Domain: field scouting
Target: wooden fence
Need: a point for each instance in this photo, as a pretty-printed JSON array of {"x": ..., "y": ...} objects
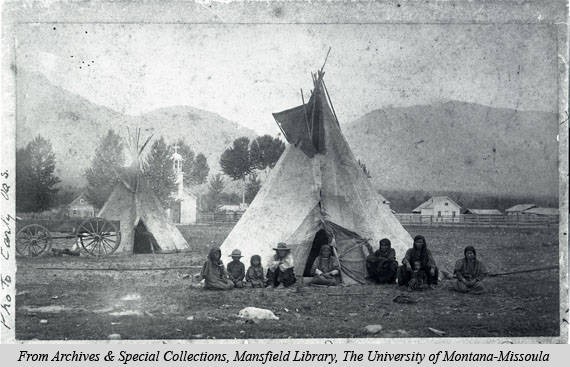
[
  {"x": 218, "y": 217},
  {"x": 479, "y": 220},
  {"x": 468, "y": 220}
]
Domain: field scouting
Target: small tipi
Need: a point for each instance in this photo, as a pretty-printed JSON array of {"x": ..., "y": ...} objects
[
  {"x": 143, "y": 222},
  {"x": 316, "y": 189}
]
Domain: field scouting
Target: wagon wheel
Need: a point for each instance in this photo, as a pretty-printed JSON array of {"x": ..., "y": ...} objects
[
  {"x": 32, "y": 240},
  {"x": 98, "y": 237}
]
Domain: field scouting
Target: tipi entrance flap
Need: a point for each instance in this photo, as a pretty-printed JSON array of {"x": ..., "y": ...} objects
[{"x": 144, "y": 242}]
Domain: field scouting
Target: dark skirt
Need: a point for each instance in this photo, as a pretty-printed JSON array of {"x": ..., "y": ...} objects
[
  {"x": 381, "y": 271},
  {"x": 287, "y": 277},
  {"x": 405, "y": 276}
]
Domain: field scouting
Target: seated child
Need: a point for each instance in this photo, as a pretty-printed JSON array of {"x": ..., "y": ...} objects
[
  {"x": 236, "y": 269},
  {"x": 419, "y": 278},
  {"x": 281, "y": 271},
  {"x": 254, "y": 276},
  {"x": 214, "y": 273}
]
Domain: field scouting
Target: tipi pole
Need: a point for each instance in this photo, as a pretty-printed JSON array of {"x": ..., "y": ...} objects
[
  {"x": 326, "y": 58},
  {"x": 305, "y": 111},
  {"x": 330, "y": 102}
]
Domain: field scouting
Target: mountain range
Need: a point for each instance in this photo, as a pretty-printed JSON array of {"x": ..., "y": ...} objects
[
  {"x": 458, "y": 146},
  {"x": 75, "y": 125},
  {"x": 450, "y": 146}
]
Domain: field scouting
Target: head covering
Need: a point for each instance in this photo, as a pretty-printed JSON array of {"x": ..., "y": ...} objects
[
  {"x": 469, "y": 248},
  {"x": 385, "y": 241},
  {"x": 214, "y": 250},
  {"x": 255, "y": 257},
  {"x": 420, "y": 238},
  {"x": 236, "y": 253},
  {"x": 282, "y": 246},
  {"x": 420, "y": 255}
]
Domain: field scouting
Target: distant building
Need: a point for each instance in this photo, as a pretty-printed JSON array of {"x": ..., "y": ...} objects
[
  {"x": 232, "y": 212},
  {"x": 483, "y": 212},
  {"x": 80, "y": 207},
  {"x": 233, "y": 208},
  {"x": 184, "y": 207},
  {"x": 518, "y": 209},
  {"x": 541, "y": 212},
  {"x": 439, "y": 207}
]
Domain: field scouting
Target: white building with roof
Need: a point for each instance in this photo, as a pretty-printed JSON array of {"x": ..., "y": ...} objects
[
  {"x": 439, "y": 207},
  {"x": 483, "y": 211},
  {"x": 519, "y": 208}
]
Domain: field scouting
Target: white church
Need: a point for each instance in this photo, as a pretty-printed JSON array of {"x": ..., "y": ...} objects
[{"x": 185, "y": 204}]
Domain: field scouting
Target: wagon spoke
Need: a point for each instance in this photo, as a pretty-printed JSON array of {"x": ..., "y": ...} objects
[
  {"x": 109, "y": 238},
  {"x": 111, "y": 246},
  {"x": 86, "y": 246}
]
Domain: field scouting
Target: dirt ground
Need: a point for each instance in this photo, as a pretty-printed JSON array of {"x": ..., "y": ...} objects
[{"x": 161, "y": 304}]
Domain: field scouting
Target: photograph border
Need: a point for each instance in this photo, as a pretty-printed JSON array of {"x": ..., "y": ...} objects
[{"x": 553, "y": 13}]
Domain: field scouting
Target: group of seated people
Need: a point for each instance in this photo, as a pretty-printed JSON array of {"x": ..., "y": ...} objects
[{"x": 418, "y": 269}]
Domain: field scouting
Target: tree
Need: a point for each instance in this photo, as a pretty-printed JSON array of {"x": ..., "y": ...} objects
[
  {"x": 35, "y": 179},
  {"x": 24, "y": 184},
  {"x": 214, "y": 196},
  {"x": 236, "y": 161},
  {"x": 106, "y": 166},
  {"x": 200, "y": 170},
  {"x": 252, "y": 187},
  {"x": 265, "y": 152},
  {"x": 159, "y": 171}
]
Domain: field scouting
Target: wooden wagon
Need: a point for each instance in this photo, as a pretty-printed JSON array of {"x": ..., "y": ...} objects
[{"x": 94, "y": 236}]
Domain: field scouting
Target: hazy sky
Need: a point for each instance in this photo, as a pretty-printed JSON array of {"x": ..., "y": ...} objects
[{"x": 246, "y": 72}]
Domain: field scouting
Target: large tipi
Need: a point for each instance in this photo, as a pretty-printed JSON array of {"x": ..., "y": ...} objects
[
  {"x": 317, "y": 187},
  {"x": 144, "y": 224}
]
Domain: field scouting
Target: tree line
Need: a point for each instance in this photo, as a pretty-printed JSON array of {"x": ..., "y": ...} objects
[{"x": 37, "y": 184}]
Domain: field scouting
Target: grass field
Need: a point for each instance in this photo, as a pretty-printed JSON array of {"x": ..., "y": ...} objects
[{"x": 161, "y": 304}]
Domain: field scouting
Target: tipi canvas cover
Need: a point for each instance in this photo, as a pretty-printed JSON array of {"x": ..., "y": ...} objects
[
  {"x": 133, "y": 203},
  {"x": 317, "y": 184}
]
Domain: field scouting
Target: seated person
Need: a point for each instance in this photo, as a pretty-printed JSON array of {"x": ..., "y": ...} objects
[
  {"x": 382, "y": 266},
  {"x": 214, "y": 273},
  {"x": 236, "y": 269},
  {"x": 281, "y": 271},
  {"x": 254, "y": 276},
  {"x": 326, "y": 268},
  {"x": 418, "y": 252},
  {"x": 470, "y": 273}
]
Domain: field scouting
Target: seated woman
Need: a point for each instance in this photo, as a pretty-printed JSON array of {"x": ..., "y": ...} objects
[
  {"x": 382, "y": 266},
  {"x": 281, "y": 271},
  {"x": 326, "y": 268},
  {"x": 418, "y": 253},
  {"x": 470, "y": 273},
  {"x": 214, "y": 273}
]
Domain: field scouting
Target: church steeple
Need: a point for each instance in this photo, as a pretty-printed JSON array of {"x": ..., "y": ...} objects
[{"x": 177, "y": 161}]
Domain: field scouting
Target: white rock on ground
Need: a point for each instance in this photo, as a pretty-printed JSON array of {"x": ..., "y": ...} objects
[{"x": 373, "y": 329}]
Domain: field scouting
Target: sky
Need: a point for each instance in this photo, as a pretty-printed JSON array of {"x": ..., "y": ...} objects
[{"x": 246, "y": 72}]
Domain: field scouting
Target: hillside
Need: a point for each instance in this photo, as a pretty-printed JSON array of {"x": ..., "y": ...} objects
[
  {"x": 74, "y": 125},
  {"x": 458, "y": 146}
]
